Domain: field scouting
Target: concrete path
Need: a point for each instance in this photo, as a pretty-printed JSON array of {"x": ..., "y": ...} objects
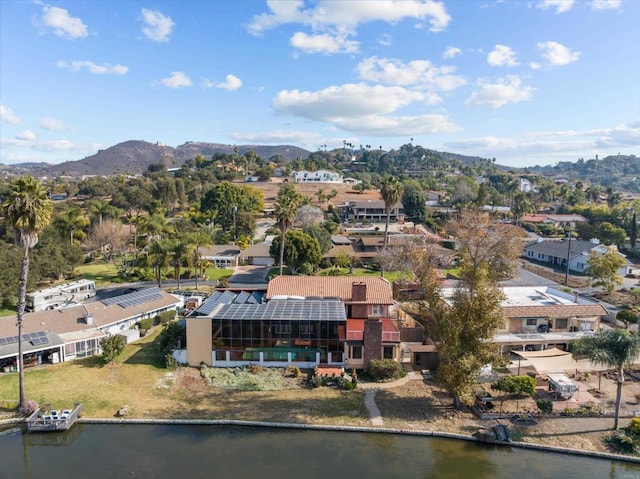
[{"x": 374, "y": 412}]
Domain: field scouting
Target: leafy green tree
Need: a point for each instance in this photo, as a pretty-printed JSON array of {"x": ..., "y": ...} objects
[
  {"x": 28, "y": 211},
  {"x": 300, "y": 249},
  {"x": 112, "y": 346},
  {"x": 234, "y": 207},
  {"x": 321, "y": 235},
  {"x": 9, "y": 274},
  {"x": 613, "y": 348},
  {"x": 521, "y": 206},
  {"x": 516, "y": 385},
  {"x": 604, "y": 268},
  {"x": 391, "y": 191},
  {"x": 287, "y": 203},
  {"x": 71, "y": 223},
  {"x": 413, "y": 201},
  {"x": 53, "y": 258},
  {"x": 100, "y": 209},
  {"x": 633, "y": 230},
  {"x": 627, "y": 317}
]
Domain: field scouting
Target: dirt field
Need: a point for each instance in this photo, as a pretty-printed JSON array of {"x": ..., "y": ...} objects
[{"x": 345, "y": 192}]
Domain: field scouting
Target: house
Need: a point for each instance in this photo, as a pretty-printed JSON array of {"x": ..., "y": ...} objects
[
  {"x": 65, "y": 334},
  {"x": 542, "y": 317},
  {"x": 527, "y": 186},
  {"x": 371, "y": 211},
  {"x": 320, "y": 176},
  {"x": 559, "y": 221},
  {"x": 258, "y": 254},
  {"x": 222, "y": 255},
  {"x": 307, "y": 321},
  {"x": 577, "y": 253}
]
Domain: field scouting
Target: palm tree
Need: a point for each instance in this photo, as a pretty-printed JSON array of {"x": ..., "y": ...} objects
[
  {"x": 180, "y": 251},
  {"x": 71, "y": 220},
  {"x": 287, "y": 204},
  {"x": 197, "y": 240},
  {"x": 614, "y": 348},
  {"x": 28, "y": 210},
  {"x": 101, "y": 208},
  {"x": 159, "y": 256},
  {"x": 391, "y": 192}
]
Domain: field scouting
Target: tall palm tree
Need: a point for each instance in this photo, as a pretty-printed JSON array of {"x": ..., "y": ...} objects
[
  {"x": 287, "y": 204},
  {"x": 391, "y": 192},
  {"x": 179, "y": 251},
  {"x": 28, "y": 210},
  {"x": 70, "y": 221},
  {"x": 614, "y": 348},
  {"x": 159, "y": 256},
  {"x": 196, "y": 241},
  {"x": 101, "y": 209}
]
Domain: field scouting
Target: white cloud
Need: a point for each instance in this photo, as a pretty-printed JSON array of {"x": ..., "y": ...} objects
[
  {"x": 63, "y": 24},
  {"x": 343, "y": 17},
  {"x": 177, "y": 80},
  {"x": 385, "y": 40},
  {"x": 363, "y": 109},
  {"x": 52, "y": 124},
  {"x": 535, "y": 66},
  {"x": 324, "y": 43},
  {"x": 26, "y": 135},
  {"x": 561, "y": 6},
  {"x": 94, "y": 68},
  {"x": 605, "y": 4},
  {"x": 451, "y": 52},
  {"x": 231, "y": 82},
  {"x": 157, "y": 27},
  {"x": 502, "y": 55},
  {"x": 557, "y": 54},
  {"x": 350, "y": 100},
  {"x": 421, "y": 73},
  {"x": 25, "y": 142},
  {"x": 507, "y": 90},
  {"x": 7, "y": 116},
  {"x": 548, "y": 147}
]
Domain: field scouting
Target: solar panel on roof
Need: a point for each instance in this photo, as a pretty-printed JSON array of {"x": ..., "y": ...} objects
[
  {"x": 135, "y": 298},
  {"x": 39, "y": 341},
  {"x": 242, "y": 297}
]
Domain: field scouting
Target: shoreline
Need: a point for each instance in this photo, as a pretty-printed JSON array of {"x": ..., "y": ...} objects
[{"x": 361, "y": 429}]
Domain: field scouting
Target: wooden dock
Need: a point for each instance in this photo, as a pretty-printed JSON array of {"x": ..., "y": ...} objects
[{"x": 53, "y": 420}]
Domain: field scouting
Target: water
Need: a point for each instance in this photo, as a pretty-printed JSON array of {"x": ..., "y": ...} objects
[{"x": 172, "y": 452}]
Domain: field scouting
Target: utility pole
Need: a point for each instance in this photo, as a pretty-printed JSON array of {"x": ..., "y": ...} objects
[{"x": 566, "y": 274}]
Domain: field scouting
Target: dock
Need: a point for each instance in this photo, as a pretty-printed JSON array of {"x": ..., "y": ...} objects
[{"x": 43, "y": 420}]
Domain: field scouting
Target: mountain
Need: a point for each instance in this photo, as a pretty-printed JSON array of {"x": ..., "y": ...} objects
[{"x": 134, "y": 157}]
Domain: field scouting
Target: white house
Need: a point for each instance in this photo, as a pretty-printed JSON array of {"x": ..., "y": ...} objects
[{"x": 320, "y": 176}]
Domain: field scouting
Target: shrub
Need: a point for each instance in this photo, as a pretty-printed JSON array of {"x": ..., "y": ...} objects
[
  {"x": 145, "y": 323},
  {"x": 620, "y": 442},
  {"x": 634, "y": 426},
  {"x": 170, "y": 362},
  {"x": 516, "y": 385},
  {"x": 111, "y": 347},
  {"x": 29, "y": 407},
  {"x": 545, "y": 405},
  {"x": 385, "y": 369},
  {"x": 293, "y": 371},
  {"x": 166, "y": 317}
]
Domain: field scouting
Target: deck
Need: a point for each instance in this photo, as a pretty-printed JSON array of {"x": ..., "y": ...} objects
[{"x": 54, "y": 420}]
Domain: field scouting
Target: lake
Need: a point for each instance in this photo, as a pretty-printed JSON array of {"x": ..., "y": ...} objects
[{"x": 171, "y": 452}]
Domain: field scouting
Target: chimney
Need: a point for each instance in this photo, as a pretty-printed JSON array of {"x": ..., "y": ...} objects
[{"x": 359, "y": 291}]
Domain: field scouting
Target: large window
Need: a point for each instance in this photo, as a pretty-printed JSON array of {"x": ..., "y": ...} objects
[
  {"x": 356, "y": 352},
  {"x": 561, "y": 323},
  {"x": 531, "y": 322}
]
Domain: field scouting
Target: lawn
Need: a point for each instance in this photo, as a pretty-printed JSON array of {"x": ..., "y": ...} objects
[{"x": 102, "y": 273}]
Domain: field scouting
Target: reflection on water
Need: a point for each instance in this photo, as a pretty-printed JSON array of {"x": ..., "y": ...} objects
[{"x": 115, "y": 451}]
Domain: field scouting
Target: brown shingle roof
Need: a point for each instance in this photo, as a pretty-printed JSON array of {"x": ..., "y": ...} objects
[
  {"x": 378, "y": 289},
  {"x": 69, "y": 320},
  {"x": 557, "y": 311}
]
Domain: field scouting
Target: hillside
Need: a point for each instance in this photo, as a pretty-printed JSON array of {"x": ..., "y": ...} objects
[{"x": 134, "y": 157}]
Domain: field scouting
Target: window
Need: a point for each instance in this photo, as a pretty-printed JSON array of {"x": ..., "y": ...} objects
[
  {"x": 532, "y": 321},
  {"x": 387, "y": 352},
  {"x": 356, "y": 352},
  {"x": 282, "y": 328},
  {"x": 376, "y": 310},
  {"x": 561, "y": 323}
]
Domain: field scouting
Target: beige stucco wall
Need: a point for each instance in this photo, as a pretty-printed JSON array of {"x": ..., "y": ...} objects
[{"x": 199, "y": 341}]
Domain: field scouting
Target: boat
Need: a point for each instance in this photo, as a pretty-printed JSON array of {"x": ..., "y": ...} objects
[{"x": 47, "y": 420}]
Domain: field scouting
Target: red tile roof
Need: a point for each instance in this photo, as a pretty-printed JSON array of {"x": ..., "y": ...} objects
[{"x": 379, "y": 290}]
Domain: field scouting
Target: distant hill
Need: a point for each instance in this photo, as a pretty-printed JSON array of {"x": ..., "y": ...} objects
[{"x": 134, "y": 157}]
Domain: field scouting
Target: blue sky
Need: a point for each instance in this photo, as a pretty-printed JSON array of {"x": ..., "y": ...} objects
[{"x": 528, "y": 82}]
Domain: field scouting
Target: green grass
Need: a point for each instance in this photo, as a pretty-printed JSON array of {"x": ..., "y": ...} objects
[
  {"x": 102, "y": 273},
  {"x": 7, "y": 312},
  {"x": 217, "y": 273}
]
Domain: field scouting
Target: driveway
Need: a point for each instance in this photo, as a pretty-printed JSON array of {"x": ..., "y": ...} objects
[{"x": 249, "y": 275}]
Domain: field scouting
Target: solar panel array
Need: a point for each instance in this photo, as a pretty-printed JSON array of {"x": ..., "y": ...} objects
[
  {"x": 312, "y": 310},
  {"x": 36, "y": 339},
  {"x": 135, "y": 298},
  {"x": 228, "y": 297}
]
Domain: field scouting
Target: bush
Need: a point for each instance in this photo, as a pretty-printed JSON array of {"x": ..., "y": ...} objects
[
  {"x": 385, "y": 369},
  {"x": 29, "y": 407},
  {"x": 292, "y": 371},
  {"x": 516, "y": 385},
  {"x": 165, "y": 318},
  {"x": 170, "y": 362},
  {"x": 621, "y": 442},
  {"x": 634, "y": 426},
  {"x": 544, "y": 405},
  {"x": 145, "y": 323},
  {"x": 111, "y": 347}
]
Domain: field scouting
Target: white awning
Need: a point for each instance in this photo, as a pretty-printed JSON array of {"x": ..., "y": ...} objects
[{"x": 555, "y": 360}]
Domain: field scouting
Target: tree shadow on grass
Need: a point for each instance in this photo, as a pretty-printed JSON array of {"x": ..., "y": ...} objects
[{"x": 146, "y": 353}]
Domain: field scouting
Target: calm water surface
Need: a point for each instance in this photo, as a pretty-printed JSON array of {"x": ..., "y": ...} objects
[{"x": 173, "y": 452}]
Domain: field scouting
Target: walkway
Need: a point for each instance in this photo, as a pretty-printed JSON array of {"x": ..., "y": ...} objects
[{"x": 370, "y": 394}]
